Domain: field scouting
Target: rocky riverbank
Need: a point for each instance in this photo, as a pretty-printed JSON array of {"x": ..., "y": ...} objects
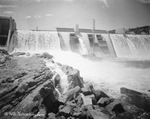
[{"x": 29, "y": 89}]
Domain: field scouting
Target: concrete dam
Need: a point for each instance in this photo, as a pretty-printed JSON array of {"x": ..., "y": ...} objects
[
  {"x": 103, "y": 45},
  {"x": 87, "y": 42}
]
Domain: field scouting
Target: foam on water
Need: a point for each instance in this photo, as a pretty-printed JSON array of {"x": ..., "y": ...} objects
[
  {"x": 107, "y": 74},
  {"x": 104, "y": 74},
  {"x": 87, "y": 42},
  {"x": 84, "y": 50},
  {"x": 131, "y": 46},
  {"x": 37, "y": 41},
  {"x": 66, "y": 38}
]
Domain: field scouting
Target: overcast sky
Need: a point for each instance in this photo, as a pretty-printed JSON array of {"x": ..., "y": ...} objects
[{"x": 49, "y": 14}]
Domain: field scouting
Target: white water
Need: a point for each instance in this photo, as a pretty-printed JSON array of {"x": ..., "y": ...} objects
[
  {"x": 121, "y": 46},
  {"x": 66, "y": 39},
  {"x": 84, "y": 50},
  {"x": 106, "y": 75},
  {"x": 131, "y": 46},
  {"x": 37, "y": 41},
  {"x": 87, "y": 42}
]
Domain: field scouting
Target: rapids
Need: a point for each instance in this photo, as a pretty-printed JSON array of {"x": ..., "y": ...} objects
[{"x": 106, "y": 74}]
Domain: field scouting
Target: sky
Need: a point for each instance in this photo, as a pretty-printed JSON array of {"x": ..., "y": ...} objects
[{"x": 49, "y": 14}]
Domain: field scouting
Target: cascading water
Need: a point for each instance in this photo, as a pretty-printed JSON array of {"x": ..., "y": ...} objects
[
  {"x": 106, "y": 75},
  {"x": 84, "y": 50},
  {"x": 97, "y": 48},
  {"x": 121, "y": 46},
  {"x": 106, "y": 48},
  {"x": 37, "y": 41},
  {"x": 141, "y": 45},
  {"x": 131, "y": 46},
  {"x": 87, "y": 42},
  {"x": 65, "y": 37}
]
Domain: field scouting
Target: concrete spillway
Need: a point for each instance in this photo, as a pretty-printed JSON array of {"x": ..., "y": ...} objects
[
  {"x": 35, "y": 41},
  {"x": 129, "y": 46}
]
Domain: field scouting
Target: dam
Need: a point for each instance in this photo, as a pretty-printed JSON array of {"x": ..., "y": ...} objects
[
  {"x": 86, "y": 42},
  {"x": 103, "y": 45},
  {"x": 128, "y": 62}
]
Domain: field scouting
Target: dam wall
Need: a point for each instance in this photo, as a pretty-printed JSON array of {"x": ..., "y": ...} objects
[{"x": 104, "y": 45}]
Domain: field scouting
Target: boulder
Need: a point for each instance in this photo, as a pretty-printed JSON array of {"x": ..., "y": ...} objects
[
  {"x": 73, "y": 93},
  {"x": 99, "y": 94},
  {"x": 79, "y": 100},
  {"x": 47, "y": 93},
  {"x": 86, "y": 91},
  {"x": 3, "y": 52},
  {"x": 136, "y": 98},
  {"x": 74, "y": 78},
  {"x": 93, "y": 114},
  {"x": 18, "y": 53},
  {"x": 71, "y": 103},
  {"x": 51, "y": 116},
  {"x": 62, "y": 117},
  {"x": 46, "y": 55},
  {"x": 115, "y": 106},
  {"x": 66, "y": 69},
  {"x": 56, "y": 80},
  {"x": 49, "y": 74},
  {"x": 131, "y": 112},
  {"x": 104, "y": 101},
  {"x": 65, "y": 111},
  {"x": 40, "y": 115},
  {"x": 4, "y": 58},
  {"x": 87, "y": 107},
  {"x": 86, "y": 100}
]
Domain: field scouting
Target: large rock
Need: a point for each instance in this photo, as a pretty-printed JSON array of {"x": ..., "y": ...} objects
[
  {"x": 18, "y": 53},
  {"x": 115, "y": 106},
  {"x": 86, "y": 100},
  {"x": 93, "y": 114},
  {"x": 104, "y": 101},
  {"x": 79, "y": 100},
  {"x": 47, "y": 93},
  {"x": 86, "y": 91},
  {"x": 30, "y": 103},
  {"x": 100, "y": 94},
  {"x": 3, "y": 52},
  {"x": 66, "y": 111},
  {"x": 20, "y": 82},
  {"x": 40, "y": 115},
  {"x": 44, "y": 55},
  {"x": 51, "y": 116},
  {"x": 73, "y": 93},
  {"x": 136, "y": 98},
  {"x": 74, "y": 78}
]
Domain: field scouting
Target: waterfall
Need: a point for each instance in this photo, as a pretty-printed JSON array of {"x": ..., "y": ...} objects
[
  {"x": 37, "y": 41},
  {"x": 86, "y": 42},
  {"x": 131, "y": 46},
  {"x": 84, "y": 50},
  {"x": 120, "y": 45},
  {"x": 66, "y": 38},
  {"x": 104, "y": 44}
]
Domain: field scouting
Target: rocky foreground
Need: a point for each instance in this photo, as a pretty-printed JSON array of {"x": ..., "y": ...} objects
[{"x": 31, "y": 90}]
